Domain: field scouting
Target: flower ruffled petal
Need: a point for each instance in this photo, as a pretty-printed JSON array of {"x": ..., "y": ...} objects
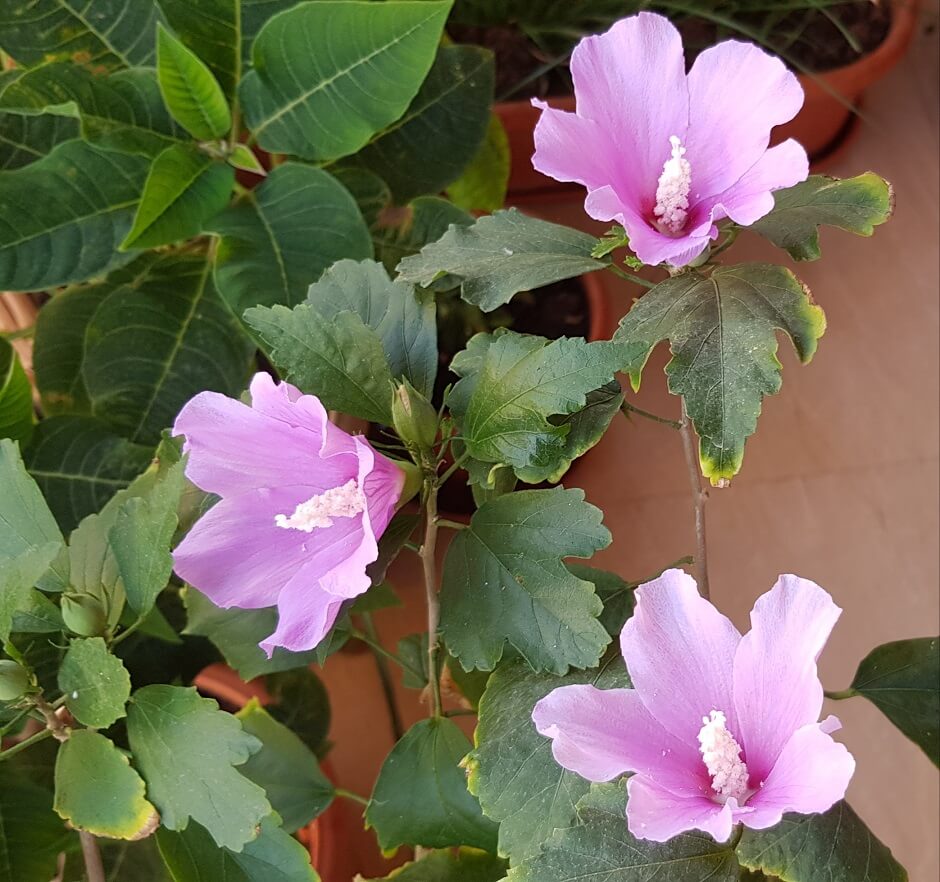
[
  {"x": 631, "y": 81},
  {"x": 737, "y": 94},
  {"x": 653, "y": 812},
  {"x": 680, "y": 653},
  {"x": 234, "y": 448},
  {"x": 776, "y": 685},
  {"x": 305, "y": 614},
  {"x": 602, "y": 733},
  {"x": 811, "y": 774},
  {"x": 236, "y": 556}
]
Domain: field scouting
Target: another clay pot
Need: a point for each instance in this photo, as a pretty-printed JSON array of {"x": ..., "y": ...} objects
[
  {"x": 821, "y": 126},
  {"x": 324, "y": 836}
]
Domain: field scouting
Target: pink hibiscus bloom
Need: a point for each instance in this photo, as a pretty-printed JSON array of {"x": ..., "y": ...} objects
[
  {"x": 303, "y": 506},
  {"x": 665, "y": 153},
  {"x": 719, "y": 729}
]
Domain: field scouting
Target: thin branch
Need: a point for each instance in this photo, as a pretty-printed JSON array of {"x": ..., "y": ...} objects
[
  {"x": 443, "y": 479},
  {"x": 644, "y": 283},
  {"x": 94, "y": 868},
  {"x": 348, "y": 794},
  {"x": 429, "y": 566},
  {"x": 699, "y": 498},
  {"x": 841, "y": 694},
  {"x": 42, "y": 735},
  {"x": 627, "y": 408},
  {"x": 385, "y": 677},
  {"x": 452, "y": 525}
]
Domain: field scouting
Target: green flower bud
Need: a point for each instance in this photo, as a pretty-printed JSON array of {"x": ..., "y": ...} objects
[
  {"x": 84, "y": 615},
  {"x": 14, "y": 680},
  {"x": 413, "y": 417}
]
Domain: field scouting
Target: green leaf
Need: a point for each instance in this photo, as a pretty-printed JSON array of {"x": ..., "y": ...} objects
[
  {"x": 835, "y": 846},
  {"x": 95, "y": 683},
  {"x": 464, "y": 865},
  {"x": 80, "y": 465},
  {"x": 412, "y": 652},
  {"x": 483, "y": 183},
  {"x": 512, "y": 770},
  {"x": 856, "y": 205},
  {"x": 255, "y": 14},
  {"x": 190, "y": 91},
  {"x": 513, "y": 383},
  {"x": 281, "y": 236},
  {"x": 212, "y": 30},
  {"x": 380, "y": 596},
  {"x": 442, "y": 128},
  {"x": 285, "y": 768},
  {"x": 122, "y": 111},
  {"x": 274, "y": 856},
  {"x": 96, "y": 789},
  {"x": 109, "y": 33},
  {"x": 329, "y": 75},
  {"x": 236, "y": 633},
  {"x": 721, "y": 329},
  {"x": 59, "y": 348},
  {"x": 400, "y": 232},
  {"x": 902, "y": 679},
  {"x": 505, "y": 574},
  {"x": 421, "y": 796},
  {"x": 16, "y": 396},
  {"x": 369, "y": 190},
  {"x": 18, "y": 574},
  {"x": 341, "y": 361},
  {"x": 185, "y": 188},
  {"x": 65, "y": 215},
  {"x": 615, "y": 593},
  {"x": 31, "y": 836},
  {"x": 300, "y": 702},
  {"x": 186, "y": 749},
  {"x": 243, "y": 157},
  {"x": 24, "y": 139},
  {"x": 37, "y": 615},
  {"x": 502, "y": 254},
  {"x": 601, "y": 847},
  {"x": 26, "y": 523},
  {"x": 152, "y": 345},
  {"x": 403, "y": 318}
]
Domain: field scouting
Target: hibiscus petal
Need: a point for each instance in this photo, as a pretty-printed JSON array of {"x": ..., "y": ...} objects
[
  {"x": 812, "y": 773},
  {"x": 751, "y": 198},
  {"x": 737, "y": 94},
  {"x": 305, "y": 615},
  {"x": 602, "y": 733},
  {"x": 658, "y": 814},
  {"x": 571, "y": 148},
  {"x": 382, "y": 482},
  {"x": 235, "y": 449},
  {"x": 235, "y": 554},
  {"x": 776, "y": 685},
  {"x": 631, "y": 81},
  {"x": 680, "y": 652}
]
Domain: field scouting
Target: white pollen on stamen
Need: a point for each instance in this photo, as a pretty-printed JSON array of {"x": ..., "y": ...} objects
[
  {"x": 672, "y": 191},
  {"x": 319, "y": 511},
  {"x": 722, "y": 757}
]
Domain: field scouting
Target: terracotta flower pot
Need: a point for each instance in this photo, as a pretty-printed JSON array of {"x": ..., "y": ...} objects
[
  {"x": 323, "y": 837},
  {"x": 821, "y": 126}
]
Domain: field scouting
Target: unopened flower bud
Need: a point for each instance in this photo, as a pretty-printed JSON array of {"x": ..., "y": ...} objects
[
  {"x": 14, "y": 680},
  {"x": 84, "y": 615},
  {"x": 414, "y": 417}
]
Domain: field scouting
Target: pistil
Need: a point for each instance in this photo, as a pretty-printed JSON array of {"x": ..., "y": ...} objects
[
  {"x": 672, "y": 191},
  {"x": 319, "y": 510}
]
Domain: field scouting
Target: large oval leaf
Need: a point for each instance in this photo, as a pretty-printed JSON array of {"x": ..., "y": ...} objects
[
  {"x": 329, "y": 75},
  {"x": 16, "y": 397}
]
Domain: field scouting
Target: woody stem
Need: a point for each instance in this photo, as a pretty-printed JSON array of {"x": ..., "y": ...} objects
[
  {"x": 699, "y": 498},
  {"x": 429, "y": 565}
]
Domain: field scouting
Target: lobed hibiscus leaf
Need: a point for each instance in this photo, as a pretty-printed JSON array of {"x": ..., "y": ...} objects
[
  {"x": 281, "y": 236},
  {"x": 902, "y": 679},
  {"x": 65, "y": 215},
  {"x": 534, "y": 404},
  {"x": 421, "y": 796},
  {"x": 721, "y": 330},
  {"x": 834, "y": 845},
  {"x": 328, "y": 76},
  {"x": 502, "y": 254},
  {"x": 505, "y": 575},
  {"x": 187, "y": 750},
  {"x": 274, "y": 856},
  {"x": 444, "y": 125},
  {"x": 856, "y": 205},
  {"x": 600, "y": 844},
  {"x": 446, "y": 865},
  {"x": 96, "y": 685},
  {"x": 512, "y": 770},
  {"x": 88, "y": 765},
  {"x": 112, "y": 34}
]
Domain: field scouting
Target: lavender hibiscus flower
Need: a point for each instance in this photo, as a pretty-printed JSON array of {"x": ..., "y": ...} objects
[
  {"x": 667, "y": 154},
  {"x": 720, "y": 729},
  {"x": 303, "y": 505}
]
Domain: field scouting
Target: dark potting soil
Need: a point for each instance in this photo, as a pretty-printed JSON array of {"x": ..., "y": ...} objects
[{"x": 808, "y": 40}]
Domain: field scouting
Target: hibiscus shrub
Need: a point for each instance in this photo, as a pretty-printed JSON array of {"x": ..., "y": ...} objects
[{"x": 156, "y": 521}]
